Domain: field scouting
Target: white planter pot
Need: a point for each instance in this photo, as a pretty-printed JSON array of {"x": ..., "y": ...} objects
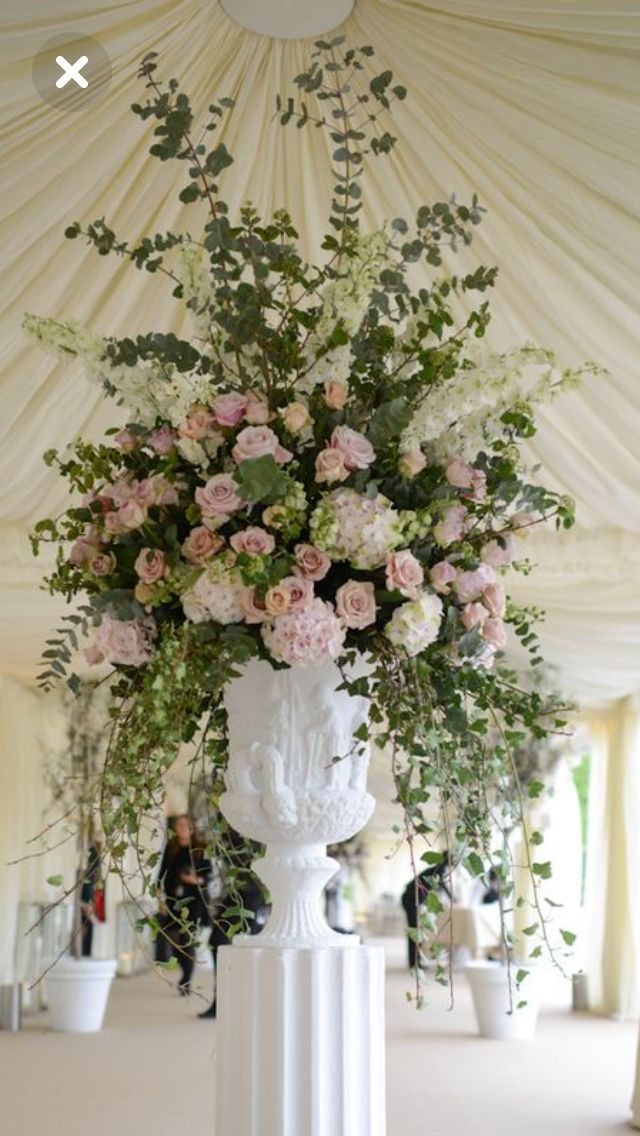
[
  {"x": 496, "y": 1006},
  {"x": 78, "y": 991}
]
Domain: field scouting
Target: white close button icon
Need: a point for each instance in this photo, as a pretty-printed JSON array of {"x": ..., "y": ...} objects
[{"x": 72, "y": 71}]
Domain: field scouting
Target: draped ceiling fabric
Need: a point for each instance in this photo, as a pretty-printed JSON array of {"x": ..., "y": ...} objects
[{"x": 534, "y": 106}]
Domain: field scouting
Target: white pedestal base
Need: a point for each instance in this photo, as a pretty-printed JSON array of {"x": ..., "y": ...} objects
[{"x": 301, "y": 1042}]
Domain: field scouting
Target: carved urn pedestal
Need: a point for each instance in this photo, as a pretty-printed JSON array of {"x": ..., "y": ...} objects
[{"x": 300, "y": 1007}]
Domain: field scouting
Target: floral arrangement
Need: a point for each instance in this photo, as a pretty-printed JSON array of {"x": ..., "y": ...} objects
[{"x": 329, "y": 463}]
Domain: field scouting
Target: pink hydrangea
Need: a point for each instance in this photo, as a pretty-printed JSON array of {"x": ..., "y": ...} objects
[
  {"x": 356, "y": 604},
  {"x": 128, "y": 642},
  {"x": 229, "y": 409},
  {"x": 256, "y": 442},
  {"x": 214, "y": 596},
  {"x": 351, "y": 526},
  {"x": 404, "y": 573},
  {"x": 356, "y": 450},
  {"x": 311, "y": 562},
  {"x": 309, "y": 636}
]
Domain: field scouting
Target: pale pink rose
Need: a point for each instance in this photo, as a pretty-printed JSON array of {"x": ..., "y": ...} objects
[
  {"x": 307, "y": 637},
  {"x": 131, "y": 515},
  {"x": 255, "y": 442},
  {"x": 411, "y": 463},
  {"x": 473, "y": 614},
  {"x": 336, "y": 393},
  {"x": 296, "y": 416},
  {"x": 254, "y": 540},
  {"x": 459, "y": 473},
  {"x": 452, "y": 526},
  {"x": 495, "y": 633},
  {"x": 356, "y": 604},
  {"x": 311, "y": 562},
  {"x": 404, "y": 573},
  {"x": 253, "y": 609},
  {"x": 229, "y": 409},
  {"x": 102, "y": 564},
  {"x": 200, "y": 544},
  {"x": 162, "y": 440},
  {"x": 144, "y": 593},
  {"x": 219, "y": 496},
  {"x": 83, "y": 549},
  {"x": 469, "y": 586},
  {"x": 522, "y": 523},
  {"x": 128, "y": 642},
  {"x": 257, "y": 412},
  {"x": 277, "y": 600},
  {"x": 357, "y": 451},
  {"x": 122, "y": 490},
  {"x": 127, "y": 441},
  {"x": 274, "y": 516},
  {"x": 494, "y": 599},
  {"x": 478, "y": 485},
  {"x": 441, "y": 576},
  {"x": 160, "y": 490},
  {"x": 300, "y": 591},
  {"x": 151, "y": 565},
  {"x": 499, "y": 553},
  {"x": 330, "y": 466},
  {"x": 198, "y": 424},
  {"x": 93, "y": 655}
]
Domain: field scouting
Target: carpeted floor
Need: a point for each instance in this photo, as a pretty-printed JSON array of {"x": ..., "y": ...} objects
[{"x": 150, "y": 1072}]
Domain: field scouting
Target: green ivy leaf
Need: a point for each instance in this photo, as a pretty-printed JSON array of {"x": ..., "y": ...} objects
[{"x": 542, "y": 870}]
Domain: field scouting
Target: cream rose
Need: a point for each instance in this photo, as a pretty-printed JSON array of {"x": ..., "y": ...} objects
[
  {"x": 311, "y": 562},
  {"x": 355, "y": 603},
  {"x": 330, "y": 466},
  {"x": 412, "y": 462},
  {"x": 336, "y": 393},
  {"x": 295, "y": 417}
]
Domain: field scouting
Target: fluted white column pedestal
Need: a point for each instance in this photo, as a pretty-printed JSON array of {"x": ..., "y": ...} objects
[{"x": 301, "y": 1041}]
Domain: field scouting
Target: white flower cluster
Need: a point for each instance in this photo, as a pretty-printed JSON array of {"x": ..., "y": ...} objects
[
  {"x": 461, "y": 415},
  {"x": 192, "y": 270},
  {"x": 64, "y": 339}
]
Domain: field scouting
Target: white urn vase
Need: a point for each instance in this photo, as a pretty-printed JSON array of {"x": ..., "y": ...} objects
[{"x": 298, "y": 994}]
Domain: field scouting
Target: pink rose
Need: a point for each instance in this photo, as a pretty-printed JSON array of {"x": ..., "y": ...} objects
[
  {"x": 306, "y": 637},
  {"x": 255, "y": 442},
  {"x": 162, "y": 440},
  {"x": 151, "y": 565},
  {"x": 404, "y": 573},
  {"x": 122, "y": 490},
  {"x": 478, "y": 485},
  {"x": 473, "y": 614},
  {"x": 93, "y": 655},
  {"x": 357, "y": 451},
  {"x": 219, "y": 496},
  {"x": 355, "y": 603},
  {"x": 412, "y": 462},
  {"x": 257, "y": 412},
  {"x": 127, "y": 441},
  {"x": 296, "y": 416},
  {"x": 311, "y": 562},
  {"x": 164, "y": 492},
  {"x": 521, "y": 523},
  {"x": 441, "y": 576},
  {"x": 459, "y": 473},
  {"x": 198, "y": 424},
  {"x": 292, "y": 593},
  {"x": 229, "y": 409},
  {"x": 102, "y": 564},
  {"x": 131, "y": 515},
  {"x": 494, "y": 599},
  {"x": 200, "y": 544},
  {"x": 495, "y": 633},
  {"x": 499, "y": 553},
  {"x": 254, "y": 540},
  {"x": 83, "y": 549},
  {"x": 336, "y": 393},
  {"x": 128, "y": 642},
  {"x": 469, "y": 586},
  {"x": 330, "y": 466},
  {"x": 452, "y": 526},
  {"x": 253, "y": 609}
]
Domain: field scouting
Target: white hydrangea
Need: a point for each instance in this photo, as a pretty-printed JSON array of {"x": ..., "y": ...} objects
[
  {"x": 214, "y": 596},
  {"x": 192, "y": 270},
  {"x": 415, "y": 625}
]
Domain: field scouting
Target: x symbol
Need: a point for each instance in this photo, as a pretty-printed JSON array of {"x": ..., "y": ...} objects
[{"x": 72, "y": 71}]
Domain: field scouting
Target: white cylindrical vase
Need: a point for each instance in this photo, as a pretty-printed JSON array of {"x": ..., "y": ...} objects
[
  {"x": 503, "y": 1010},
  {"x": 77, "y": 993},
  {"x": 300, "y": 1006}
]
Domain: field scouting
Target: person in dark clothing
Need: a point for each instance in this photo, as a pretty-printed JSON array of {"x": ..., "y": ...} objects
[
  {"x": 183, "y": 876},
  {"x": 492, "y": 894},
  {"x": 90, "y": 880},
  {"x": 413, "y": 897}
]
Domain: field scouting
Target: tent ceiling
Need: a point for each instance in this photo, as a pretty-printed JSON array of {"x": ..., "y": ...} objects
[{"x": 532, "y": 106}]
